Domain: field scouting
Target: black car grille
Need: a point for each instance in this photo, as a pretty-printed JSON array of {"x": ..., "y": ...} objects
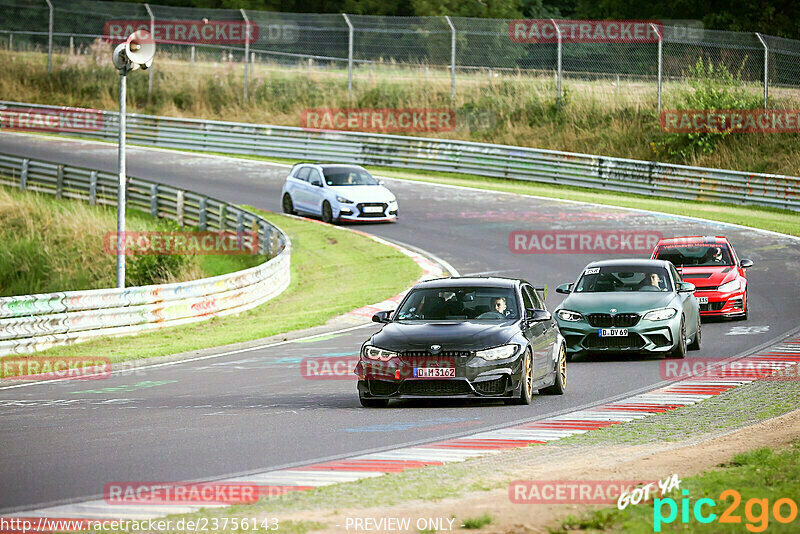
[
  {"x": 604, "y": 320},
  {"x": 382, "y": 387},
  {"x": 631, "y": 341},
  {"x": 712, "y": 306},
  {"x": 381, "y": 205},
  {"x": 434, "y": 387},
  {"x": 491, "y": 387},
  {"x": 442, "y": 354}
]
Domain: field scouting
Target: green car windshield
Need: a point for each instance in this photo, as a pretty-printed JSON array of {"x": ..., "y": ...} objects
[
  {"x": 459, "y": 303},
  {"x": 623, "y": 278}
]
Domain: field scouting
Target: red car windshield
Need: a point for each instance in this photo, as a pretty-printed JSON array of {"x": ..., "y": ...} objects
[{"x": 685, "y": 255}]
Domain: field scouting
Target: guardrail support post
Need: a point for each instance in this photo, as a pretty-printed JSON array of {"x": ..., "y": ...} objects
[
  {"x": 10, "y": 42},
  {"x": 50, "y": 38},
  {"x": 246, "y": 51},
  {"x": 558, "y": 62},
  {"x": 23, "y": 177},
  {"x": 59, "y": 181},
  {"x": 452, "y": 57},
  {"x": 93, "y": 188},
  {"x": 202, "y": 215},
  {"x": 349, "y": 54},
  {"x": 660, "y": 59},
  {"x": 154, "y": 200},
  {"x": 179, "y": 207},
  {"x": 223, "y": 217},
  {"x": 766, "y": 69},
  {"x": 152, "y": 33},
  {"x": 191, "y": 58}
]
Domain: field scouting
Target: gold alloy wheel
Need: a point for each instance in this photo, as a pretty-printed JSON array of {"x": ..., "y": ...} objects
[
  {"x": 529, "y": 372},
  {"x": 562, "y": 366}
]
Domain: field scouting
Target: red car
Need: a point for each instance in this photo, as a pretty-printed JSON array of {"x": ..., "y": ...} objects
[{"x": 711, "y": 264}]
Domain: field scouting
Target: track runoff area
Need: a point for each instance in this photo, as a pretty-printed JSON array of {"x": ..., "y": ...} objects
[{"x": 252, "y": 418}]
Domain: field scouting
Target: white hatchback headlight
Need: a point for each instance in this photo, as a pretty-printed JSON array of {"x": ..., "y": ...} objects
[
  {"x": 498, "y": 353},
  {"x": 343, "y": 200},
  {"x": 733, "y": 285},
  {"x": 376, "y": 353},
  {"x": 660, "y": 315},
  {"x": 571, "y": 316}
]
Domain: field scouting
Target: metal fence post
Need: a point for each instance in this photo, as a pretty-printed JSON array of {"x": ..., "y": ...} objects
[
  {"x": 766, "y": 70},
  {"x": 154, "y": 200},
  {"x": 558, "y": 62},
  {"x": 59, "y": 181},
  {"x": 246, "y": 49},
  {"x": 660, "y": 57},
  {"x": 23, "y": 177},
  {"x": 10, "y": 42},
  {"x": 452, "y": 57},
  {"x": 152, "y": 32},
  {"x": 50, "y": 38},
  {"x": 349, "y": 54},
  {"x": 93, "y": 188},
  {"x": 202, "y": 215},
  {"x": 191, "y": 58}
]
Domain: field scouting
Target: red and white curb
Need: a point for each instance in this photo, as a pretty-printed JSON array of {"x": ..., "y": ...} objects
[{"x": 272, "y": 483}]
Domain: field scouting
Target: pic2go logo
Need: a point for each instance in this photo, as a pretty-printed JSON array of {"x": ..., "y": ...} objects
[{"x": 756, "y": 511}]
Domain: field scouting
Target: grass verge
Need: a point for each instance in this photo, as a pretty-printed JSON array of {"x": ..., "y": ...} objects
[
  {"x": 49, "y": 245},
  {"x": 760, "y": 477},
  {"x": 320, "y": 254}
]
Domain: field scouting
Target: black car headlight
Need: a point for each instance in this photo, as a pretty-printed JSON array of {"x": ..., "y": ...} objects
[
  {"x": 376, "y": 353},
  {"x": 498, "y": 353},
  {"x": 569, "y": 316}
]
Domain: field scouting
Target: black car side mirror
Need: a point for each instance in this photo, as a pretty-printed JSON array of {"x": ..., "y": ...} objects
[
  {"x": 564, "y": 288},
  {"x": 746, "y": 264},
  {"x": 382, "y": 316},
  {"x": 537, "y": 316}
]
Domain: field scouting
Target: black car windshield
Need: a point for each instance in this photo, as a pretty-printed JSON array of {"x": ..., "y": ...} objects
[
  {"x": 695, "y": 256},
  {"x": 348, "y": 176},
  {"x": 454, "y": 303},
  {"x": 623, "y": 278}
]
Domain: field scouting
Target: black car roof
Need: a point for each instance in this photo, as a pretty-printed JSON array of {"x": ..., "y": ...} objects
[{"x": 470, "y": 281}]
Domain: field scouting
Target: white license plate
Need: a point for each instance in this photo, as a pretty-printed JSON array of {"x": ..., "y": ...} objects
[
  {"x": 434, "y": 372},
  {"x": 613, "y": 332},
  {"x": 373, "y": 209},
  {"x": 702, "y": 300}
]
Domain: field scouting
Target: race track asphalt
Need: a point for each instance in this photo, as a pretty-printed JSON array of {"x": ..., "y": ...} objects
[{"x": 253, "y": 411}]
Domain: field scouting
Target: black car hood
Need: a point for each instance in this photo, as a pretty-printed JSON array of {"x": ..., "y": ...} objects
[{"x": 451, "y": 335}]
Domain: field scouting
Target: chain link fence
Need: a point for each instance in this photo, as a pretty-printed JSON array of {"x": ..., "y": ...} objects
[{"x": 466, "y": 53}]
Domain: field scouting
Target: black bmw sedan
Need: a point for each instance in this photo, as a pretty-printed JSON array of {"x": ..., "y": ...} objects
[{"x": 464, "y": 337}]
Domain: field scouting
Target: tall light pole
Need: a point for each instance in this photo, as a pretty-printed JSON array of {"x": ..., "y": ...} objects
[{"x": 137, "y": 51}]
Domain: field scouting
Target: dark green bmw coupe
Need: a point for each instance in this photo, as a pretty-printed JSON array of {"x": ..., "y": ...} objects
[{"x": 629, "y": 306}]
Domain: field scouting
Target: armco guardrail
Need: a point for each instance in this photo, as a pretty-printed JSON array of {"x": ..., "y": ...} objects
[
  {"x": 502, "y": 161},
  {"x": 34, "y": 322}
]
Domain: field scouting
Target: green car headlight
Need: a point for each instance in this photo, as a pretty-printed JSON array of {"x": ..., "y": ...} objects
[
  {"x": 571, "y": 316},
  {"x": 498, "y": 353},
  {"x": 660, "y": 315},
  {"x": 375, "y": 353}
]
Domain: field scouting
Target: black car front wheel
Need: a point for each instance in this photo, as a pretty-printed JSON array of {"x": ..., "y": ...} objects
[
  {"x": 525, "y": 382},
  {"x": 560, "y": 383}
]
